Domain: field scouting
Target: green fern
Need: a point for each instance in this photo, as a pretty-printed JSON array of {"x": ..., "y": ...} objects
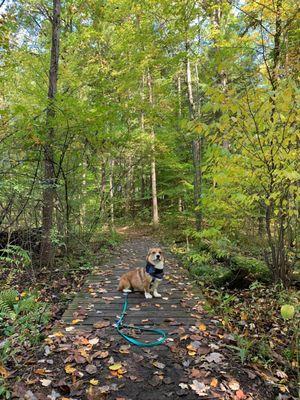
[
  {"x": 13, "y": 254},
  {"x": 28, "y": 304},
  {"x": 8, "y": 298}
]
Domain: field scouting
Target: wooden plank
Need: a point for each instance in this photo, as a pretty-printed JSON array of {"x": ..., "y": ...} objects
[
  {"x": 140, "y": 296},
  {"x": 129, "y": 319},
  {"x": 132, "y": 313},
  {"x": 100, "y": 303}
]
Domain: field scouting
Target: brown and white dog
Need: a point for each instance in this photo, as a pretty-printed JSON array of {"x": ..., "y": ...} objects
[{"x": 145, "y": 279}]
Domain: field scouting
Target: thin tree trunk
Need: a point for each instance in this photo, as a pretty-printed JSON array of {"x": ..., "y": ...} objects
[
  {"x": 155, "y": 217},
  {"x": 83, "y": 196},
  {"x": 46, "y": 256},
  {"x": 197, "y": 150},
  {"x": 179, "y": 96},
  {"x": 129, "y": 186},
  {"x": 102, "y": 189},
  {"x": 197, "y": 156},
  {"x": 111, "y": 192}
]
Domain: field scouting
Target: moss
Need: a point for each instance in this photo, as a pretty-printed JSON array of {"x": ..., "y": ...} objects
[
  {"x": 251, "y": 268},
  {"x": 216, "y": 275}
]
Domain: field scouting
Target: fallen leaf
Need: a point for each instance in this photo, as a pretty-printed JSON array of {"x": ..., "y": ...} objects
[
  {"x": 94, "y": 382},
  {"x": 115, "y": 367},
  {"x": 281, "y": 374},
  {"x": 101, "y": 354},
  {"x": 233, "y": 384},
  {"x": 3, "y": 371},
  {"x": 183, "y": 385},
  {"x": 46, "y": 382},
  {"x": 199, "y": 388},
  {"x": 240, "y": 395},
  {"x": 202, "y": 327},
  {"x": 214, "y": 382},
  {"x": 69, "y": 369},
  {"x": 93, "y": 341},
  {"x": 125, "y": 349},
  {"x": 91, "y": 369},
  {"x": 30, "y": 396},
  {"x": 76, "y": 321},
  {"x": 101, "y": 324},
  {"x": 198, "y": 373},
  {"x": 214, "y": 357},
  {"x": 54, "y": 395},
  {"x": 41, "y": 371},
  {"x": 159, "y": 365}
]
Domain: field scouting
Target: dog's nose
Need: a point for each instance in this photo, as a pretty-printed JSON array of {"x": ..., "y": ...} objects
[{"x": 157, "y": 256}]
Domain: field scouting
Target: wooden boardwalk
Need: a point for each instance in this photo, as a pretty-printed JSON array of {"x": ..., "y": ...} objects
[
  {"x": 100, "y": 301},
  {"x": 88, "y": 353}
]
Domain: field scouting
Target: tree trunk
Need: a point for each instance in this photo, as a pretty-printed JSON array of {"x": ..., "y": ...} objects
[
  {"x": 46, "y": 256},
  {"x": 197, "y": 156},
  {"x": 197, "y": 149},
  {"x": 102, "y": 189},
  {"x": 155, "y": 217},
  {"x": 83, "y": 196},
  {"x": 111, "y": 192}
]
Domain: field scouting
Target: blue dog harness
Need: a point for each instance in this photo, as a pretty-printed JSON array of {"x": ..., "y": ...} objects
[{"x": 156, "y": 273}]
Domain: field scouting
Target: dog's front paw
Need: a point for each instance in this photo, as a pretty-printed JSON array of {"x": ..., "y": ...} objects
[
  {"x": 156, "y": 294},
  {"x": 148, "y": 295}
]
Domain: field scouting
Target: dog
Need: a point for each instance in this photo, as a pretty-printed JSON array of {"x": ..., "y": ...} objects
[{"x": 145, "y": 279}]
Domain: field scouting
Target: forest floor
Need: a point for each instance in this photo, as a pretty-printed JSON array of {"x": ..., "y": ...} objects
[{"x": 82, "y": 357}]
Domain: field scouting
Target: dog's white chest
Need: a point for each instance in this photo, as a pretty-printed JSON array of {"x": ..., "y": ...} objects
[{"x": 159, "y": 265}]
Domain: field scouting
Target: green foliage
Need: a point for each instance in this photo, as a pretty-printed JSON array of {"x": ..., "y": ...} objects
[
  {"x": 214, "y": 262},
  {"x": 21, "y": 316},
  {"x": 287, "y": 311},
  {"x": 243, "y": 348},
  {"x": 14, "y": 260},
  {"x": 15, "y": 255},
  {"x": 252, "y": 268}
]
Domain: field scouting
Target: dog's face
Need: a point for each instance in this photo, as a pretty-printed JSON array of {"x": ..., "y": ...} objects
[{"x": 155, "y": 255}]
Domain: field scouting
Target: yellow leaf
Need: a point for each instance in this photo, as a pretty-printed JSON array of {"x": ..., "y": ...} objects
[
  {"x": 244, "y": 316},
  {"x": 94, "y": 382},
  {"x": 190, "y": 347},
  {"x": 69, "y": 369},
  {"x": 202, "y": 327},
  {"x": 214, "y": 382},
  {"x": 75, "y": 321},
  {"x": 121, "y": 371},
  {"x": 58, "y": 334},
  {"x": 192, "y": 353},
  {"x": 3, "y": 371},
  {"x": 115, "y": 367}
]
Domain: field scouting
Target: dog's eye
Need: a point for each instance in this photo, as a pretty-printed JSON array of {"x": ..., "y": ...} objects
[
  {"x": 153, "y": 252},
  {"x": 159, "y": 252}
]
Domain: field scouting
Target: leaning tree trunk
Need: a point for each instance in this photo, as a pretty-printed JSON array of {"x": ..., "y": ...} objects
[
  {"x": 46, "y": 256},
  {"x": 155, "y": 218}
]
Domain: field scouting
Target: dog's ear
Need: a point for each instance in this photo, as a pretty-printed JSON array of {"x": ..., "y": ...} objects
[{"x": 148, "y": 254}]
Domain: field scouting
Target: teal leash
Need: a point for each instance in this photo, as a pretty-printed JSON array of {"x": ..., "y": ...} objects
[{"x": 119, "y": 326}]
